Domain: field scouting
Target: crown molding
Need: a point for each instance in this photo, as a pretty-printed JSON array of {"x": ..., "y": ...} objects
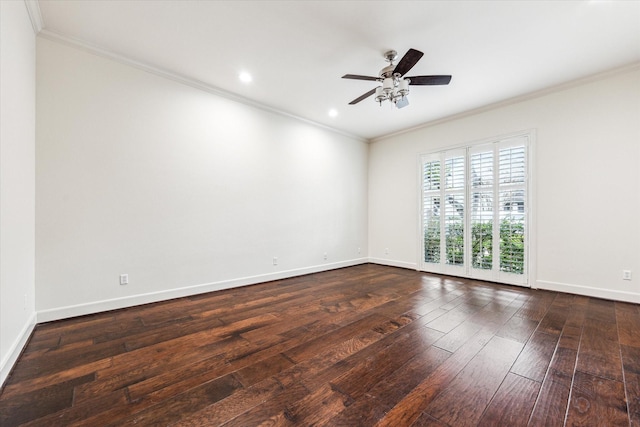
[
  {"x": 180, "y": 78},
  {"x": 517, "y": 99},
  {"x": 33, "y": 9}
]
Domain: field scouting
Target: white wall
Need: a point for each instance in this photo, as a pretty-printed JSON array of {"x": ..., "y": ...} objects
[
  {"x": 183, "y": 190},
  {"x": 17, "y": 181},
  {"x": 586, "y": 178}
]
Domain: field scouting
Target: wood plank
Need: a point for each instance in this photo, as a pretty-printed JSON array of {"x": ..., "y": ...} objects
[
  {"x": 597, "y": 401},
  {"x": 577, "y": 311},
  {"x": 599, "y": 352},
  {"x": 632, "y": 387},
  {"x": 57, "y": 361},
  {"x": 81, "y": 411},
  {"x": 536, "y": 356},
  {"x": 44, "y": 381},
  {"x": 370, "y": 352},
  {"x": 458, "y": 336},
  {"x": 370, "y": 407},
  {"x": 238, "y": 403},
  {"x": 555, "y": 318},
  {"x": 369, "y": 371},
  {"x": 491, "y": 317},
  {"x": 630, "y": 359},
  {"x": 453, "y": 318},
  {"x": 536, "y": 307},
  {"x": 331, "y": 356},
  {"x": 553, "y": 400},
  {"x": 512, "y": 403},
  {"x": 271, "y": 412},
  {"x": 174, "y": 381},
  {"x": 518, "y": 329},
  {"x": 174, "y": 408},
  {"x": 312, "y": 347},
  {"x": 142, "y": 370},
  {"x": 315, "y": 407},
  {"x": 426, "y": 420},
  {"x": 413, "y": 404},
  {"x": 263, "y": 369},
  {"x": 631, "y": 363},
  {"x": 22, "y": 408},
  {"x": 475, "y": 384},
  {"x": 628, "y": 320}
]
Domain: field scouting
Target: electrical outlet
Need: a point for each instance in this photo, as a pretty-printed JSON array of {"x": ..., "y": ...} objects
[
  {"x": 275, "y": 260},
  {"x": 386, "y": 251},
  {"x": 626, "y": 274},
  {"x": 124, "y": 279},
  {"x": 358, "y": 251},
  {"x": 325, "y": 256}
]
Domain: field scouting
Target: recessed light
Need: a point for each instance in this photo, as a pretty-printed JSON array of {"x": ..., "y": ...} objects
[
  {"x": 245, "y": 77},
  {"x": 333, "y": 112}
]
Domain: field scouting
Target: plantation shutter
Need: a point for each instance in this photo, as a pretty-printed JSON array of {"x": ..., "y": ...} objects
[
  {"x": 474, "y": 211},
  {"x": 512, "y": 187},
  {"x": 431, "y": 209},
  {"x": 454, "y": 207},
  {"x": 482, "y": 196}
]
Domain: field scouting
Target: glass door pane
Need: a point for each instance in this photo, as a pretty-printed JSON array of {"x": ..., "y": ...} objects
[
  {"x": 431, "y": 224},
  {"x": 454, "y": 229},
  {"x": 481, "y": 170},
  {"x": 454, "y": 195},
  {"x": 512, "y": 231},
  {"x": 431, "y": 215},
  {"x": 482, "y": 230}
]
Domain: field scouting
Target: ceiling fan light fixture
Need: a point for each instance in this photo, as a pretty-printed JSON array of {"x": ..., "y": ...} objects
[
  {"x": 380, "y": 95},
  {"x": 403, "y": 87},
  {"x": 388, "y": 85}
]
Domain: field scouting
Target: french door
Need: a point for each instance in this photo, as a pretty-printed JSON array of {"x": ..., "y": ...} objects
[{"x": 475, "y": 211}]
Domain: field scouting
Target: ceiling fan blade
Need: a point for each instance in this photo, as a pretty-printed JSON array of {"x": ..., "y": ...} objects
[
  {"x": 365, "y": 96},
  {"x": 408, "y": 61},
  {"x": 429, "y": 80},
  {"x": 357, "y": 77}
]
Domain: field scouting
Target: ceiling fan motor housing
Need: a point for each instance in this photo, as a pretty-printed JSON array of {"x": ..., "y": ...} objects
[{"x": 387, "y": 71}]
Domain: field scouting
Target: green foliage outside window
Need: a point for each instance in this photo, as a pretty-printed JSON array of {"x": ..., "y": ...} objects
[
  {"x": 455, "y": 243},
  {"x": 511, "y": 245},
  {"x": 482, "y": 245},
  {"x": 432, "y": 242}
]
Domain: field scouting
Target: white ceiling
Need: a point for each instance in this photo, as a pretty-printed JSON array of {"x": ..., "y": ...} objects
[{"x": 298, "y": 50}]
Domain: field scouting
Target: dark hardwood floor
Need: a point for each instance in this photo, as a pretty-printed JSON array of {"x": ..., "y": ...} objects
[{"x": 361, "y": 346}]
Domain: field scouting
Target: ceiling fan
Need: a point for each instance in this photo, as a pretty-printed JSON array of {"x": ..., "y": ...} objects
[{"x": 395, "y": 87}]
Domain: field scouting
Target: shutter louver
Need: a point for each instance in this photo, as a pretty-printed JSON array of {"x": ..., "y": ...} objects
[
  {"x": 482, "y": 210},
  {"x": 512, "y": 165},
  {"x": 512, "y": 209},
  {"x": 454, "y": 197},
  {"x": 454, "y": 229},
  {"x": 431, "y": 211}
]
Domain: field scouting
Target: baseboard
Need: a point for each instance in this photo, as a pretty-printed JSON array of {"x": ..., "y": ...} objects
[
  {"x": 16, "y": 349},
  {"x": 394, "y": 263},
  {"x": 130, "y": 301},
  {"x": 632, "y": 297}
]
